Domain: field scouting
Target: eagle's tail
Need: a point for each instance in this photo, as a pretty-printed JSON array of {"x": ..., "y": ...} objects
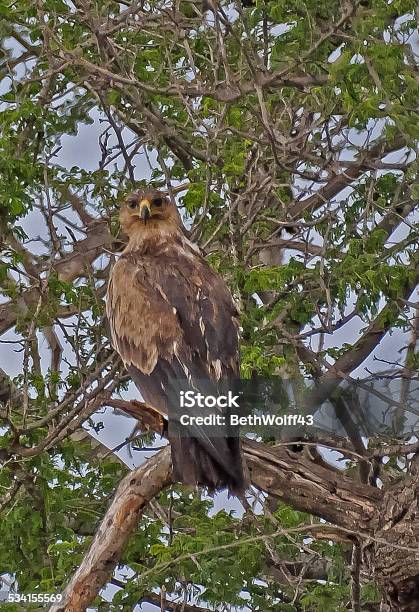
[
  {"x": 198, "y": 456},
  {"x": 215, "y": 463}
]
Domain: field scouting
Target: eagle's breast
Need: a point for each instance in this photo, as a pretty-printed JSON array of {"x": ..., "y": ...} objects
[{"x": 164, "y": 301}]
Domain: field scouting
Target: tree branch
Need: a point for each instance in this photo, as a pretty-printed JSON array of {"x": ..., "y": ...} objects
[
  {"x": 372, "y": 337},
  {"x": 343, "y": 179},
  {"x": 310, "y": 487},
  {"x": 294, "y": 479},
  {"x": 131, "y": 498},
  {"x": 68, "y": 268}
]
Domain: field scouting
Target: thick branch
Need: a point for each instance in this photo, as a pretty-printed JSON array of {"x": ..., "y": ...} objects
[
  {"x": 297, "y": 480},
  {"x": 313, "y": 488},
  {"x": 131, "y": 498},
  {"x": 283, "y": 474}
]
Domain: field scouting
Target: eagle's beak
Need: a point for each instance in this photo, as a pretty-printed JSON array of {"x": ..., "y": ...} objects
[{"x": 145, "y": 211}]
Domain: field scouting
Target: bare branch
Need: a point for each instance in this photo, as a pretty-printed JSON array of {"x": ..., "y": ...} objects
[{"x": 121, "y": 519}]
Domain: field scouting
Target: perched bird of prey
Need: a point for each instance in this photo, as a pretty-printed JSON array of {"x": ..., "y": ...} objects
[{"x": 172, "y": 318}]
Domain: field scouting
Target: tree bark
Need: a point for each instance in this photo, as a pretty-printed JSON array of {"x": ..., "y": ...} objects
[
  {"x": 300, "y": 482},
  {"x": 385, "y": 523},
  {"x": 313, "y": 488},
  {"x": 108, "y": 545},
  {"x": 393, "y": 556}
]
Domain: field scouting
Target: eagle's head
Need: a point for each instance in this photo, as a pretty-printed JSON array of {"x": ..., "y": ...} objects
[{"x": 147, "y": 211}]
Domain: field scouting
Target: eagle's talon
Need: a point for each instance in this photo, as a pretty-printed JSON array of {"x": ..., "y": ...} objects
[
  {"x": 171, "y": 315},
  {"x": 148, "y": 417}
]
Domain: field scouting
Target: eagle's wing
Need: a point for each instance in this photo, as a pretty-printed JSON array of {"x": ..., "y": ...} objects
[
  {"x": 143, "y": 324},
  {"x": 172, "y": 318},
  {"x": 173, "y": 305}
]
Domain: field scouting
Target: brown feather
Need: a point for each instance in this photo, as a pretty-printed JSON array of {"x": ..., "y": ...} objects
[{"x": 172, "y": 317}]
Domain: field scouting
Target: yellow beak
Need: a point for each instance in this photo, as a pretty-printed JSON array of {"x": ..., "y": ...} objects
[{"x": 145, "y": 210}]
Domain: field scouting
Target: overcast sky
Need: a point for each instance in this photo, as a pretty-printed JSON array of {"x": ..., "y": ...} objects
[{"x": 82, "y": 150}]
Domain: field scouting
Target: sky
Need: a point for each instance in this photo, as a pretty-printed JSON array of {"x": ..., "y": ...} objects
[{"x": 82, "y": 150}]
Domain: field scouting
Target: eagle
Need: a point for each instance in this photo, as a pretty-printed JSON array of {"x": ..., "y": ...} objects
[{"x": 173, "y": 321}]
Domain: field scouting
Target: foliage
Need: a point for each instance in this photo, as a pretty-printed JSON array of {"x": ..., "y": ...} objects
[{"x": 277, "y": 124}]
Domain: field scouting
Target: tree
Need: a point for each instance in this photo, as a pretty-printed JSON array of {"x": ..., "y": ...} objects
[{"x": 284, "y": 129}]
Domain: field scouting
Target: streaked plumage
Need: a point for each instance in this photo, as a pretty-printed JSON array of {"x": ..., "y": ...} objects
[{"x": 172, "y": 317}]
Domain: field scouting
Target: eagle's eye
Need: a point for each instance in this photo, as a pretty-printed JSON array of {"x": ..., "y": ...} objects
[
  {"x": 157, "y": 201},
  {"x": 132, "y": 204}
]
